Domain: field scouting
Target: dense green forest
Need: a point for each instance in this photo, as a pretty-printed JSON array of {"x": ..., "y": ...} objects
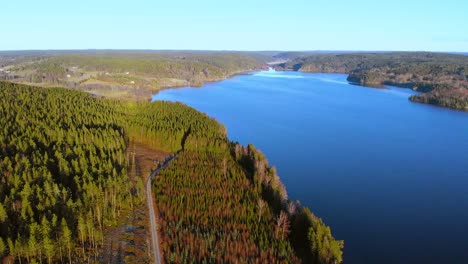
[
  {"x": 442, "y": 77},
  {"x": 63, "y": 173},
  {"x": 64, "y": 179}
]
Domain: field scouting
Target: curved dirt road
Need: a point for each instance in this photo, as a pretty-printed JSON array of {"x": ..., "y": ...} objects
[{"x": 154, "y": 224}]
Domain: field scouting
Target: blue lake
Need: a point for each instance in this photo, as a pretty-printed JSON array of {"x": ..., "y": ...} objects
[{"x": 389, "y": 176}]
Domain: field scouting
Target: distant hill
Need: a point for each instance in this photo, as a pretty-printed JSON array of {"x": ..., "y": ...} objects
[
  {"x": 128, "y": 74},
  {"x": 137, "y": 74}
]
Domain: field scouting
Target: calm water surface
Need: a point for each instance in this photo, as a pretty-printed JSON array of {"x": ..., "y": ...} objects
[{"x": 389, "y": 176}]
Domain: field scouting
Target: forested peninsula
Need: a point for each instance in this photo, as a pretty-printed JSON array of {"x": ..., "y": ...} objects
[
  {"x": 70, "y": 180},
  {"x": 443, "y": 78}
]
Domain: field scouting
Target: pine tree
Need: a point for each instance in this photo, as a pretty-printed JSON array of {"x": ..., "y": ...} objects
[
  {"x": 33, "y": 245},
  {"x": 47, "y": 242},
  {"x": 82, "y": 232},
  {"x": 66, "y": 238},
  {"x": 2, "y": 247},
  {"x": 3, "y": 213}
]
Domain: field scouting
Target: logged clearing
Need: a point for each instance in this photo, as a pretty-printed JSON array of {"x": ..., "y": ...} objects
[{"x": 130, "y": 241}]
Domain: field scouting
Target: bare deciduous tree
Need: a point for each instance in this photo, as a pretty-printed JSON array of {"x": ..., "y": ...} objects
[
  {"x": 282, "y": 225},
  {"x": 261, "y": 208}
]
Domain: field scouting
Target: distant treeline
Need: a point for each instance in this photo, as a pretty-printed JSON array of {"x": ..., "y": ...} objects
[
  {"x": 191, "y": 67},
  {"x": 132, "y": 72},
  {"x": 442, "y": 77},
  {"x": 139, "y": 61},
  {"x": 64, "y": 179},
  {"x": 135, "y": 75}
]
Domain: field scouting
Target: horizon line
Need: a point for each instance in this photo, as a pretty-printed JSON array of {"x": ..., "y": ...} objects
[{"x": 228, "y": 50}]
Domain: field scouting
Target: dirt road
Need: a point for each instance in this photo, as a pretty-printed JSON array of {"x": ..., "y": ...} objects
[{"x": 154, "y": 224}]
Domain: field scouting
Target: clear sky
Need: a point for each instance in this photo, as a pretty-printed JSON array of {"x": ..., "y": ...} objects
[{"x": 440, "y": 25}]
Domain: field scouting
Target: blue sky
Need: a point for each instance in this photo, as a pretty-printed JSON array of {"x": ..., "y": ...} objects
[{"x": 235, "y": 25}]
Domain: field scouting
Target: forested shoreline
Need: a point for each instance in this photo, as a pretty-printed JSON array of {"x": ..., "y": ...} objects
[
  {"x": 442, "y": 78},
  {"x": 136, "y": 75},
  {"x": 64, "y": 158}
]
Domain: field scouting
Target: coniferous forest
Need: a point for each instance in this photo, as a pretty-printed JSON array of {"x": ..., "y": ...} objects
[{"x": 64, "y": 179}]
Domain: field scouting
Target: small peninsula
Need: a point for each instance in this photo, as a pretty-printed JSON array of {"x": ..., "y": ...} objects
[{"x": 441, "y": 77}]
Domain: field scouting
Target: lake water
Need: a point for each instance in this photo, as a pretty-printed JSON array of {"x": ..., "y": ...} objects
[{"x": 389, "y": 176}]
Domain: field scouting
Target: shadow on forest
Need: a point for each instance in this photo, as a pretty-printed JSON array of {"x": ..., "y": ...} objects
[{"x": 184, "y": 138}]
